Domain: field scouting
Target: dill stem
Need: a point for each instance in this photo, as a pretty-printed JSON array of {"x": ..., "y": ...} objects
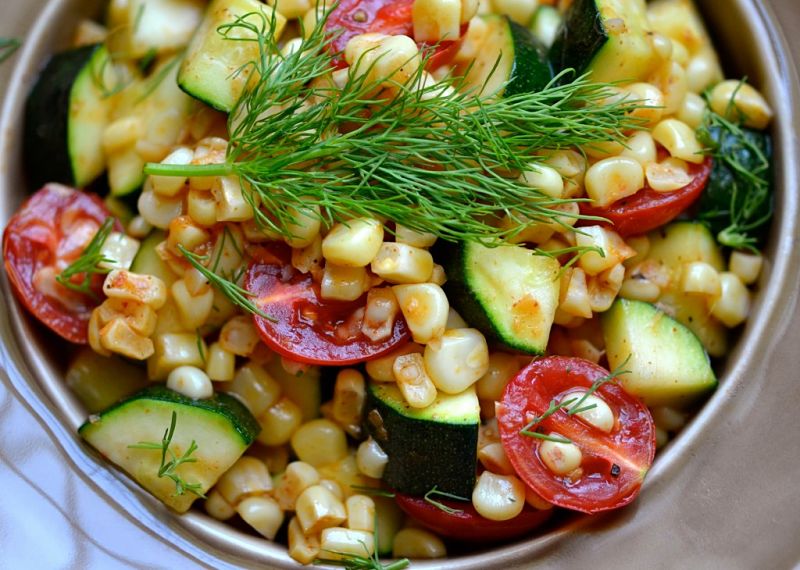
[
  {"x": 158, "y": 169},
  {"x": 397, "y": 564}
]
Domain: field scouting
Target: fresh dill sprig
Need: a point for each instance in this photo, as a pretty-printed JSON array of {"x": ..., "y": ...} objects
[
  {"x": 236, "y": 294},
  {"x": 376, "y": 491},
  {"x": 530, "y": 428},
  {"x": 748, "y": 184},
  {"x": 436, "y": 158},
  {"x": 88, "y": 264},
  {"x": 168, "y": 468},
  {"x": 8, "y": 46},
  {"x": 441, "y": 506},
  {"x": 366, "y": 562}
]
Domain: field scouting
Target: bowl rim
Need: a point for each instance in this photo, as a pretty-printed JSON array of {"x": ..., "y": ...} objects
[{"x": 29, "y": 373}]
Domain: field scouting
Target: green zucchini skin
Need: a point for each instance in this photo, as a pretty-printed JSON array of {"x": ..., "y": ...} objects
[
  {"x": 48, "y": 157},
  {"x": 425, "y": 448},
  {"x": 580, "y": 38},
  {"x": 727, "y": 189},
  {"x": 531, "y": 71},
  {"x": 514, "y": 312}
]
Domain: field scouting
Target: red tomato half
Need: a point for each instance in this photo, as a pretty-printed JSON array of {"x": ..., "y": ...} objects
[
  {"x": 354, "y": 17},
  {"x": 308, "y": 328},
  {"x": 614, "y": 464},
  {"x": 468, "y": 525},
  {"x": 49, "y": 231},
  {"x": 647, "y": 209}
]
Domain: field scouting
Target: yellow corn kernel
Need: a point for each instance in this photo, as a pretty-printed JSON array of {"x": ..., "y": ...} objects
[
  {"x": 733, "y": 304},
  {"x": 502, "y": 368},
  {"x": 493, "y": 457},
  {"x": 650, "y": 98},
  {"x": 220, "y": 364},
  {"x": 191, "y": 382},
  {"x": 117, "y": 336},
  {"x": 349, "y": 394},
  {"x": 604, "y": 287},
  {"x": 141, "y": 318},
  {"x": 319, "y": 442},
  {"x": 560, "y": 458},
  {"x": 417, "y": 543},
  {"x": 239, "y": 336},
  {"x": 193, "y": 310},
  {"x": 612, "y": 179},
  {"x": 332, "y": 486},
  {"x": 574, "y": 298},
  {"x": 343, "y": 283},
  {"x": 380, "y": 314},
  {"x": 457, "y": 359},
  {"x": 692, "y": 110},
  {"x": 342, "y": 543},
  {"x": 232, "y": 205},
  {"x": 641, "y": 148},
  {"x": 291, "y": 9},
  {"x": 360, "y": 513},
  {"x": 147, "y": 289},
  {"x": 298, "y": 477},
  {"x": 390, "y": 59},
  {"x": 436, "y": 20},
  {"x": 640, "y": 289},
  {"x": 121, "y": 134},
  {"x": 671, "y": 80},
  {"x": 668, "y": 175},
  {"x": 280, "y": 422},
  {"x": 614, "y": 248},
  {"x": 680, "y": 140},
  {"x": 263, "y": 514},
  {"x": 201, "y": 208},
  {"x": 256, "y": 388},
  {"x": 156, "y": 210},
  {"x": 306, "y": 226},
  {"x": 93, "y": 334},
  {"x": 184, "y": 232},
  {"x": 353, "y": 244},
  {"x": 119, "y": 250},
  {"x": 438, "y": 276},
  {"x": 173, "y": 350},
  {"x": 534, "y": 500},
  {"x": 520, "y": 11},
  {"x": 248, "y": 477},
  {"x": 746, "y": 266},
  {"x": 399, "y": 263},
  {"x": 171, "y": 186},
  {"x": 738, "y": 101},
  {"x": 309, "y": 258},
  {"x": 381, "y": 369},
  {"x": 425, "y": 308},
  {"x": 405, "y": 235},
  {"x": 217, "y": 507},
  {"x": 545, "y": 179},
  {"x": 700, "y": 278},
  {"x": 302, "y": 548},
  {"x": 417, "y": 388},
  {"x": 703, "y": 70},
  {"x": 371, "y": 459},
  {"x": 317, "y": 509}
]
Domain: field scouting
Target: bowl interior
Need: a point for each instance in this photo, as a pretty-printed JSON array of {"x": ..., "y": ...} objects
[{"x": 749, "y": 44}]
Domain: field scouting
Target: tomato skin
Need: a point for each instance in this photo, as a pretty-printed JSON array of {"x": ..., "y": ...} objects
[
  {"x": 31, "y": 242},
  {"x": 468, "y": 525},
  {"x": 306, "y": 325},
  {"x": 353, "y": 17},
  {"x": 630, "y": 445},
  {"x": 647, "y": 209}
]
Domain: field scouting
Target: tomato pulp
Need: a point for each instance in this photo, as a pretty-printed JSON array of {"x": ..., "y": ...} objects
[
  {"x": 306, "y": 327},
  {"x": 464, "y": 522},
  {"x": 46, "y": 234},
  {"x": 613, "y": 465},
  {"x": 353, "y": 17},
  {"x": 647, "y": 209}
]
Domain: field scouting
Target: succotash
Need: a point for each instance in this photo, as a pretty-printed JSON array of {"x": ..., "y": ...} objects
[{"x": 379, "y": 276}]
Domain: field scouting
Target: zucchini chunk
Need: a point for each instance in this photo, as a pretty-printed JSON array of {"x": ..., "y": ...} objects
[
  {"x": 221, "y": 427},
  {"x": 65, "y": 116},
  {"x": 101, "y": 381},
  {"x": 148, "y": 262},
  {"x": 668, "y": 365},
  {"x": 610, "y": 38},
  {"x": 509, "y": 293},
  {"x": 141, "y": 28},
  {"x": 433, "y": 446},
  {"x": 214, "y": 69},
  {"x": 671, "y": 247},
  {"x": 511, "y": 60}
]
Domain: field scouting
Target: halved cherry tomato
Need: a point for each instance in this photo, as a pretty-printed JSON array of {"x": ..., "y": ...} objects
[
  {"x": 614, "y": 464},
  {"x": 468, "y": 525},
  {"x": 49, "y": 231},
  {"x": 308, "y": 328},
  {"x": 647, "y": 209},
  {"x": 353, "y": 17}
]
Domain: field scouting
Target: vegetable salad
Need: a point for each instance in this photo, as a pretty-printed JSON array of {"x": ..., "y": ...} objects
[{"x": 377, "y": 276}]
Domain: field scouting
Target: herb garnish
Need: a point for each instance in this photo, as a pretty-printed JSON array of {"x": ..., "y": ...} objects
[
  {"x": 8, "y": 46},
  {"x": 742, "y": 168},
  {"x": 367, "y": 562},
  {"x": 578, "y": 407},
  {"x": 440, "y": 505},
  {"x": 437, "y": 159},
  {"x": 237, "y": 295},
  {"x": 168, "y": 468},
  {"x": 88, "y": 263}
]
